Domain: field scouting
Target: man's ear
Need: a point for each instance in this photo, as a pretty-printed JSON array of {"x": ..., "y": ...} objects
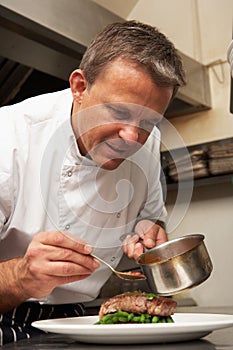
[{"x": 78, "y": 84}]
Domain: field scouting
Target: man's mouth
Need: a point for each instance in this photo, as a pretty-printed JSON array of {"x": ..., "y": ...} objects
[{"x": 116, "y": 148}]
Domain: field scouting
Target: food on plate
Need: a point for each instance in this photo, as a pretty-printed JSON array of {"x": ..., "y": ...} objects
[{"x": 136, "y": 307}]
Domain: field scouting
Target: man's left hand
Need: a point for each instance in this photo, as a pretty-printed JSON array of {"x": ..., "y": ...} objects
[{"x": 147, "y": 235}]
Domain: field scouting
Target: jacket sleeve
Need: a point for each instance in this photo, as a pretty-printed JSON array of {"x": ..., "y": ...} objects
[
  {"x": 5, "y": 200},
  {"x": 6, "y": 172}
]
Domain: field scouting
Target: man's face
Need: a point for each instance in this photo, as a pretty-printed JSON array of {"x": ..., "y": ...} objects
[{"x": 113, "y": 118}]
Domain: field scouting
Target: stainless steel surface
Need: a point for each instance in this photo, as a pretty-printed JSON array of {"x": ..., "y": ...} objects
[
  {"x": 218, "y": 340},
  {"x": 177, "y": 265},
  {"x": 123, "y": 275},
  {"x": 53, "y": 37}
]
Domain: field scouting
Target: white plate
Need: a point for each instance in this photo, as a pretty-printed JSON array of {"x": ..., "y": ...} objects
[{"x": 186, "y": 326}]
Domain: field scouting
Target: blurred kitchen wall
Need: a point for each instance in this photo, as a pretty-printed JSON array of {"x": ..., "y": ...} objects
[{"x": 201, "y": 29}]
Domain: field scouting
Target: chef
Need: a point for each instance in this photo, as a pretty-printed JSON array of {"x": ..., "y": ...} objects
[{"x": 79, "y": 169}]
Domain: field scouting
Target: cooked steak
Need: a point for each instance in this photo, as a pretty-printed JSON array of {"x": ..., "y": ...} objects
[{"x": 138, "y": 303}]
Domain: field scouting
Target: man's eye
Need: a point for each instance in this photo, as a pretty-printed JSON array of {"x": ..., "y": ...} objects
[
  {"x": 119, "y": 113},
  {"x": 147, "y": 124}
]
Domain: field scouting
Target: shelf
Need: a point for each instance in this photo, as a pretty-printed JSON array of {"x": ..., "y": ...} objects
[
  {"x": 206, "y": 181},
  {"x": 203, "y": 156}
]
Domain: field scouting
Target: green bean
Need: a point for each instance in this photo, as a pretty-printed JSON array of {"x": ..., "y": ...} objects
[
  {"x": 108, "y": 321},
  {"x": 136, "y": 318},
  {"x": 148, "y": 320},
  {"x": 130, "y": 316},
  {"x": 155, "y": 319},
  {"x": 124, "y": 317},
  {"x": 122, "y": 313},
  {"x": 142, "y": 318}
]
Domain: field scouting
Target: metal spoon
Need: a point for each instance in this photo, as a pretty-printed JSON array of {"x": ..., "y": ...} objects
[{"x": 130, "y": 275}]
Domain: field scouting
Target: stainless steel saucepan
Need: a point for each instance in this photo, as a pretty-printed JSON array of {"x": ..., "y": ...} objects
[{"x": 176, "y": 265}]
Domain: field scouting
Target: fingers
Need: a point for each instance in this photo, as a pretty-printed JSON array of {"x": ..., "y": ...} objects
[
  {"x": 132, "y": 247},
  {"x": 151, "y": 233},
  {"x": 33, "y": 282},
  {"x": 54, "y": 258},
  {"x": 154, "y": 238},
  {"x": 161, "y": 237},
  {"x": 65, "y": 240},
  {"x": 61, "y": 255},
  {"x": 59, "y": 261},
  {"x": 148, "y": 235}
]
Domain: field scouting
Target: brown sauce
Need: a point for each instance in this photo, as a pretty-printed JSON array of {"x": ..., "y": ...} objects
[{"x": 136, "y": 273}]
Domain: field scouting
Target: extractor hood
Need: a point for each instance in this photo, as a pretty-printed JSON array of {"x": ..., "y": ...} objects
[{"x": 50, "y": 36}]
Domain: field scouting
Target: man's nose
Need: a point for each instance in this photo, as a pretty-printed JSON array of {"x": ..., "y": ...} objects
[{"x": 129, "y": 133}]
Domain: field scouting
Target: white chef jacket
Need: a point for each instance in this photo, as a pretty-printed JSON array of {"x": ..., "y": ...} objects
[{"x": 46, "y": 184}]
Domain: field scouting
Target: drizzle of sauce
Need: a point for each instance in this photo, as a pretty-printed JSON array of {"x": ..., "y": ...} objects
[
  {"x": 157, "y": 259},
  {"x": 136, "y": 273}
]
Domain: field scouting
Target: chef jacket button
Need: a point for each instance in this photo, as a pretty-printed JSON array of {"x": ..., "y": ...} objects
[
  {"x": 118, "y": 215},
  {"x": 113, "y": 258},
  {"x": 67, "y": 226},
  {"x": 69, "y": 173}
]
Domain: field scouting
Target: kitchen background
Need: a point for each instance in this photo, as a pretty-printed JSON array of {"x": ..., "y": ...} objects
[{"x": 40, "y": 40}]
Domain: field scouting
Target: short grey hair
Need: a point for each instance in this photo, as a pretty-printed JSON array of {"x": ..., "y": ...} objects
[{"x": 137, "y": 42}]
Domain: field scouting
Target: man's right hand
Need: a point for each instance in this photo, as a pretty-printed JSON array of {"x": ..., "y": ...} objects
[{"x": 52, "y": 259}]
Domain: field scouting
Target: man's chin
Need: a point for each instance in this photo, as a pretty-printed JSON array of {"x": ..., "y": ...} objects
[{"x": 112, "y": 164}]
